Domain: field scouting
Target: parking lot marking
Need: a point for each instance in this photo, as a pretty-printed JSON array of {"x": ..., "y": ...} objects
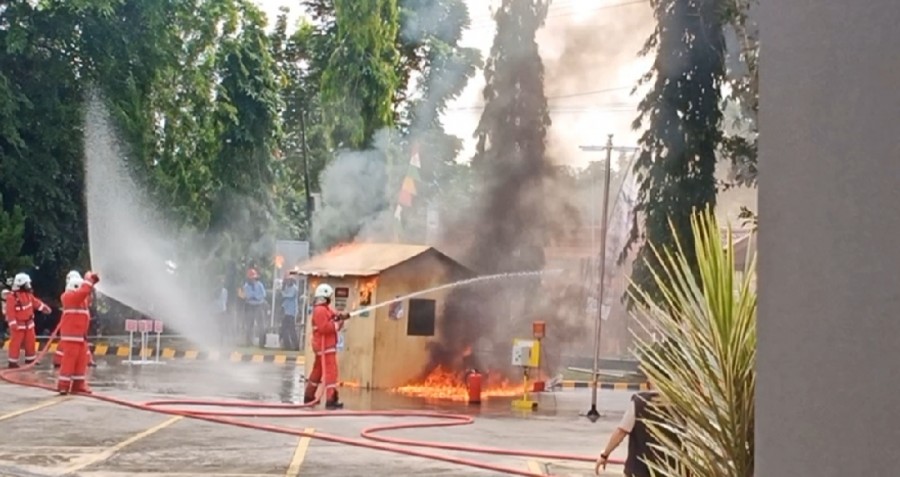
[
  {"x": 299, "y": 454},
  {"x": 537, "y": 467},
  {"x": 47, "y": 403},
  {"x": 106, "y": 454}
]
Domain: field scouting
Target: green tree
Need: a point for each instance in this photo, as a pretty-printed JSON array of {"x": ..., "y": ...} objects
[
  {"x": 677, "y": 163},
  {"x": 360, "y": 79},
  {"x": 511, "y": 143},
  {"x": 429, "y": 45},
  {"x": 12, "y": 239},
  {"x": 297, "y": 55},
  {"x": 247, "y": 111},
  {"x": 705, "y": 313},
  {"x": 40, "y": 136},
  {"x": 740, "y": 145}
]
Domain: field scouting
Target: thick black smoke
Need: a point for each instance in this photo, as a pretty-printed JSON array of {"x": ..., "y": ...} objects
[{"x": 520, "y": 206}]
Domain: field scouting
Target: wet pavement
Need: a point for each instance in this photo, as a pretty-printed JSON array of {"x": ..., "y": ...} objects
[{"x": 46, "y": 435}]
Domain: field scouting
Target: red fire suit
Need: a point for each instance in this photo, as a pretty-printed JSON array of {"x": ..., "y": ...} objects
[
  {"x": 20, "y": 307},
  {"x": 324, "y": 344},
  {"x": 73, "y": 330},
  {"x": 57, "y": 356}
]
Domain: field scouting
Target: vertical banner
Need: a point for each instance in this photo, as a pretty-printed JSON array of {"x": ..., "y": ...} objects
[
  {"x": 408, "y": 188},
  {"x": 432, "y": 225}
]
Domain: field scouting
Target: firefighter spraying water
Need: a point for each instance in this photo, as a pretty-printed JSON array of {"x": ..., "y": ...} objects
[
  {"x": 326, "y": 324},
  {"x": 20, "y": 307},
  {"x": 71, "y": 278},
  {"x": 73, "y": 331}
]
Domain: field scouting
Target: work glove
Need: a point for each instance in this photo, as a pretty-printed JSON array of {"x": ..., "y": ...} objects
[{"x": 92, "y": 277}]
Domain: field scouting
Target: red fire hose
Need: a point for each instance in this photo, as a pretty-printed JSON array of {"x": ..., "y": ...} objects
[{"x": 228, "y": 410}]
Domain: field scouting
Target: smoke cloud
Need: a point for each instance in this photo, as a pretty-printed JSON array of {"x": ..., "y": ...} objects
[
  {"x": 592, "y": 64},
  {"x": 354, "y": 203}
]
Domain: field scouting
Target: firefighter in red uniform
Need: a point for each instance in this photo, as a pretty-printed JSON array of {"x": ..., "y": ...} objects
[
  {"x": 326, "y": 324},
  {"x": 20, "y": 306},
  {"x": 73, "y": 330},
  {"x": 74, "y": 277}
]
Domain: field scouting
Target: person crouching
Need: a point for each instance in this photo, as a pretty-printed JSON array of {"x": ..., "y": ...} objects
[{"x": 73, "y": 331}]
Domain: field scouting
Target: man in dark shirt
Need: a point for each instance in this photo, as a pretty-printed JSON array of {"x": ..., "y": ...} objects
[{"x": 633, "y": 424}]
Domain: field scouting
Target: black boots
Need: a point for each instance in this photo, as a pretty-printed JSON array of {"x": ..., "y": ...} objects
[{"x": 334, "y": 403}]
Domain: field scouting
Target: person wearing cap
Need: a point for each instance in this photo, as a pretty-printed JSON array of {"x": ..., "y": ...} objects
[{"x": 255, "y": 301}]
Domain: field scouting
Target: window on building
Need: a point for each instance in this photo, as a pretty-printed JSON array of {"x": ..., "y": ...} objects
[{"x": 421, "y": 318}]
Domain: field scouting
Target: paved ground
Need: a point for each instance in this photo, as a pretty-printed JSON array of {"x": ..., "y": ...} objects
[{"x": 47, "y": 435}]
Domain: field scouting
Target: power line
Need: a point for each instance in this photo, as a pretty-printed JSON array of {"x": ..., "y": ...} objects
[
  {"x": 589, "y": 93},
  {"x": 489, "y": 17},
  {"x": 561, "y": 96},
  {"x": 489, "y": 22},
  {"x": 557, "y": 111}
]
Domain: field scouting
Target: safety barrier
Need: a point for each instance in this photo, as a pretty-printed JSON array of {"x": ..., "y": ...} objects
[
  {"x": 103, "y": 349},
  {"x": 607, "y": 386}
]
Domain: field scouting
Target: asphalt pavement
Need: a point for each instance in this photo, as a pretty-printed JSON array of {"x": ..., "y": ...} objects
[{"x": 48, "y": 435}]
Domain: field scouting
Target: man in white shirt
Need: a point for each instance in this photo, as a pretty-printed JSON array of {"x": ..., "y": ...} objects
[{"x": 640, "y": 440}]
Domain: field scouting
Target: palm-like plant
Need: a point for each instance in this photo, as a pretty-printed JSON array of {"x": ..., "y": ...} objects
[{"x": 702, "y": 356}]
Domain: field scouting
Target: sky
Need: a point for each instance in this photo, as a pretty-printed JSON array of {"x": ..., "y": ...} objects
[{"x": 590, "y": 54}]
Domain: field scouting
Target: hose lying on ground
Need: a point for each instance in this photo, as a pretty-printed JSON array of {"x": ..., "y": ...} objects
[{"x": 226, "y": 412}]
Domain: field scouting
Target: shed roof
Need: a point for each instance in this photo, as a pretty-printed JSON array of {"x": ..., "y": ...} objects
[{"x": 362, "y": 259}]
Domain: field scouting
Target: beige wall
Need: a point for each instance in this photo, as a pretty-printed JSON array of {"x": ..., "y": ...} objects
[{"x": 399, "y": 358}]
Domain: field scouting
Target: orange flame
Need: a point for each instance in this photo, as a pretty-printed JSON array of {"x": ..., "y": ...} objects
[
  {"x": 366, "y": 290},
  {"x": 341, "y": 247},
  {"x": 441, "y": 384}
]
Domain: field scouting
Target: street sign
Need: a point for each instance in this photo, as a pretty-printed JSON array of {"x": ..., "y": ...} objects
[
  {"x": 157, "y": 326},
  {"x": 145, "y": 326},
  {"x": 131, "y": 326}
]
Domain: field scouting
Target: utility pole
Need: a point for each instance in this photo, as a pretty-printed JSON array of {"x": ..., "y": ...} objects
[
  {"x": 306, "y": 181},
  {"x": 593, "y": 414}
]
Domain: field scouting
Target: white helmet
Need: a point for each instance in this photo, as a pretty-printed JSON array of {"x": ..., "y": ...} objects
[
  {"x": 73, "y": 275},
  {"x": 21, "y": 280},
  {"x": 73, "y": 281},
  {"x": 324, "y": 291}
]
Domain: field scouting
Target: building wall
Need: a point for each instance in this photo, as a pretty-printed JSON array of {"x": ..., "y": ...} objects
[
  {"x": 378, "y": 353},
  {"x": 829, "y": 333},
  {"x": 398, "y": 358}
]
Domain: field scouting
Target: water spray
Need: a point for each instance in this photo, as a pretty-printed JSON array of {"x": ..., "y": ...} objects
[{"x": 469, "y": 281}]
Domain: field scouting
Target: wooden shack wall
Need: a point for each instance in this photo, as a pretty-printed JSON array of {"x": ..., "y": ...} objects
[{"x": 398, "y": 358}]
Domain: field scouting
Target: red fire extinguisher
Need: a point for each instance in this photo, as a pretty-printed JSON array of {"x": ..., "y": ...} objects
[{"x": 473, "y": 382}]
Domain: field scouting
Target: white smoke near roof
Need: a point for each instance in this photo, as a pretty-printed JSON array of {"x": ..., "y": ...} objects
[{"x": 354, "y": 203}]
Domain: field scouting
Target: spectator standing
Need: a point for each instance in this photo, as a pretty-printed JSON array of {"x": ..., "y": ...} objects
[
  {"x": 255, "y": 310},
  {"x": 289, "y": 308}
]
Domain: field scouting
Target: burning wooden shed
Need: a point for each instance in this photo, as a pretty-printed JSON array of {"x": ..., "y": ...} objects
[{"x": 387, "y": 347}]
